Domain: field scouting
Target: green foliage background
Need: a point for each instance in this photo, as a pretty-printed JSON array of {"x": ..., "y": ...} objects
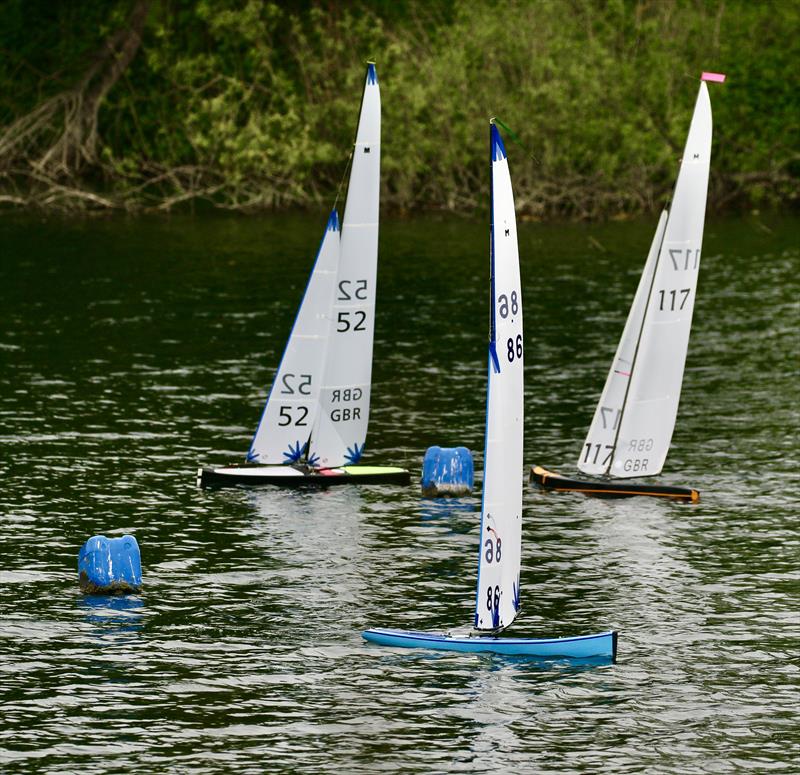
[{"x": 253, "y": 104}]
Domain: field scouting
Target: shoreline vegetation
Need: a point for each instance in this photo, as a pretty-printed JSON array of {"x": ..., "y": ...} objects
[{"x": 161, "y": 105}]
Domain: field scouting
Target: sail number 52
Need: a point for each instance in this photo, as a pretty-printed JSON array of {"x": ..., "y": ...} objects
[
  {"x": 303, "y": 387},
  {"x": 345, "y": 291},
  {"x": 298, "y": 418},
  {"x": 355, "y": 323}
]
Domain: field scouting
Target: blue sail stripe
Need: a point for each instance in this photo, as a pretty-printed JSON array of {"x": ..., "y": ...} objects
[
  {"x": 492, "y": 322},
  {"x": 493, "y": 355},
  {"x": 372, "y": 76},
  {"x": 498, "y": 148},
  {"x": 333, "y": 224}
]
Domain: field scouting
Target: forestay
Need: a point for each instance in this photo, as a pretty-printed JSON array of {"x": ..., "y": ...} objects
[
  {"x": 341, "y": 426},
  {"x": 293, "y": 400},
  {"x": 649, "y": 412},
  {"x": 498, "y": 594},
  {"x": 596, "y": 453}
]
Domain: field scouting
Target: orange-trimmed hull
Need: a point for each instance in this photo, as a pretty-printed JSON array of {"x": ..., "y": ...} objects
[{"x": 548, "y": 480}]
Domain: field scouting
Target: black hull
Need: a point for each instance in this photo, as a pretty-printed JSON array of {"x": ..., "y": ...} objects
[
  {"x": 250, "y": 475},
  {"x": 547, "y": 480}
]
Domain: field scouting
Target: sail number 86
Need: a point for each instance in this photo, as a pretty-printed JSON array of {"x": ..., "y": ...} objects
[
  {"x": 493, "y": 550},
  {"x": 514, "y": 348},
  {"x": 493, "y": 598},
  {"x": 502, "y": 300}
]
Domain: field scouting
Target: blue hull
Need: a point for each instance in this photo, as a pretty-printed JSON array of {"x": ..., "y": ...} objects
[{"x": 603, "y": 644}]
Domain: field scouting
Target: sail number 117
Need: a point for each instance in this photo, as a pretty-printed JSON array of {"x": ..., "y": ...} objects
[
  {"x": 667, "y": 299},
  {"x": 684, "y": 256}
]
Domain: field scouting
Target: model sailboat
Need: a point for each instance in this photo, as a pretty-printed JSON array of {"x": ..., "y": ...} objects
[
  {"x": 632, "y": 427},
  {"x": 314, "y": 425},
  {"x": 498, "y": 591}
]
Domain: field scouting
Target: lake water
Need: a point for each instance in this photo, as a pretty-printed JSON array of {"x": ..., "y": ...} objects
[{"x": 134, "y": 350}]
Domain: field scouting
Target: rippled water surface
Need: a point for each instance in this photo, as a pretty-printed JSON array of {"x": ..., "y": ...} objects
[{"x": 134, "y": 350}]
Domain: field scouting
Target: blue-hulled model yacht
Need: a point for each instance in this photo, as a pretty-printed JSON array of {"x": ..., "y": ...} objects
[{"x": 498, "y": 593}]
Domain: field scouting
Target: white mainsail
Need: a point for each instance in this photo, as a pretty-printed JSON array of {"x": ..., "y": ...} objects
[
  {"x": 650, "y": 408},
  {"x": 498, "y": 593},
  {"x": 293, "y": 400},
  {"x": 340, "y": 430},
  {"x": 596, "y": 453}
]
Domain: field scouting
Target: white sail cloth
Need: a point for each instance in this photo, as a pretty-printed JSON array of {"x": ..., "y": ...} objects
[
  {"x": 340, "y": 430},
  {"x": 293, "y": 400},
  {"x": 498, "y": 592},
  {"x": 642, "y": 430},
  {"x": 597, "y": 449},
  {"x": 319, "y": 400}
]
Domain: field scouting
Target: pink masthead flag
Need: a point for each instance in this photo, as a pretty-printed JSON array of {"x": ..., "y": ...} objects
[{"x": 716, "y": 77}]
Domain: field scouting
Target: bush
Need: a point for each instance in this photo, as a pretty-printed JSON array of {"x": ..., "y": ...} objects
[{"x": 253, "y": 104}]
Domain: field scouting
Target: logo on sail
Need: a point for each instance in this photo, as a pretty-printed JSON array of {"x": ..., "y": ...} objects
[
  {"x": 295, "y": 452},
  {"x": 354, "y": 453}
]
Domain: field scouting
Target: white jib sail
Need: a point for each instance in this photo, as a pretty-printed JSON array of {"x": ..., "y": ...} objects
[
  {"x": 596, "y": 453},
  {"x": 293, "y": 400},
  {"x": 341, "y": 428},
  {"x": 648, "y": 416},
  {"x": 498, "y": 593}
]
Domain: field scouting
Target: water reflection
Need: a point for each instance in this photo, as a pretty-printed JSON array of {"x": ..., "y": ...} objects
[
  {"x": 313, "y": 542},
  {"x": 113, "y": 615},
  {"x": 246, "y": 647},
  {"x": 432, "y": 509}
]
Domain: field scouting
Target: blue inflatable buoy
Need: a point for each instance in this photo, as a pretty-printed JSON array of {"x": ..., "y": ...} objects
[
  {"x": 447, "y": 471},
  {"x": 110, "y": 566}
]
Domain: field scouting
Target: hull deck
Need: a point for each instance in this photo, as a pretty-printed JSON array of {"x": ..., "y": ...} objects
[
  {"x": 249, "y": 474},
  {"x": 581, "y": 647},
  {"x": 548, "y": 480}
]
